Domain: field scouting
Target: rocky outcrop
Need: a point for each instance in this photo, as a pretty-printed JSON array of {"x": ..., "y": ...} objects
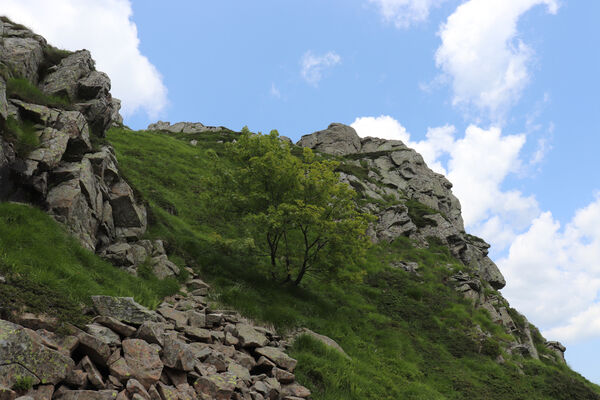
[
  {"x": 130, "y": 352},
  {"x": 337, "y": 139},
  {"x": 77, "y": 183},
  {"x": 184, "y": 127},
  {"x": 422, "y": 203}
]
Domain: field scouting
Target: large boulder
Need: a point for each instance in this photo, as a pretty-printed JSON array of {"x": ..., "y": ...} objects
[
  {"x": 143, "y": 360},
  {"x": 337, "y": 139},
  {"x": 124, "y": 309},
  {"x": 64, "y": 78},
  {"x": 22, "y": 50},
  {"x": 22, "y": 353},
  {"x": 184, "y": 127}
]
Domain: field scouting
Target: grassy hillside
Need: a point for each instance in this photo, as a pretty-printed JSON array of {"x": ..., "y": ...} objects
[
  {"x": 408, "y": 336},
  {"x": 48, "y": 271}
]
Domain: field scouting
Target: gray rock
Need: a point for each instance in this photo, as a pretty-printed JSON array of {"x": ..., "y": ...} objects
[
  {"x": 104, "y": 334},
  {"x": 276, "y": 355},
  {"x": 124, "y": 309},
  {"x": 126, "y": 212},
  {"x": 116, "y": 325},
  {"x": 177, "y": 354},
  {"x": 184, "y": 127},
  {"x": 3, "y": 102},
  {"x": 22, "y": 51},
  {"x": 53, "y": 144},
  {"x": 558, "y": 349},
  {"x": 23, "y": 354},
  {"x": 337, "y": 139},
  {"x": 143, "y": 360},
  {"x": 249, "y": 337},
  {"x": 327, "y": 341}
]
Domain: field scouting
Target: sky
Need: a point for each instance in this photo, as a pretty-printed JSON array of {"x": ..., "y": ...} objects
[{"x": 502, "y": 96}]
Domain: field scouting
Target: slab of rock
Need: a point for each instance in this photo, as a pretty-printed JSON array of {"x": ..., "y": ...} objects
[
  {"x": 93, "y": 374},
  {"x": 327, "y": 341},
  {"x": 124, "y": 309},
  {"x": 98, "y": 351},
  {"x": 53, "y": 144},
  {"x": 176, "y": 354},
  {"x": 151, "y": 332},
  {"x": 250, "y": 337},
  {"x": 143, "y": 360},
  {"x": 278, "y": 357},
  {"x": 103, "y": 333},
  {"x": 22, "y": 352},
  {"x": 337, "y": 139},
  {"x": 116, "y": 325},
  {"x": 218, "y": 386}
]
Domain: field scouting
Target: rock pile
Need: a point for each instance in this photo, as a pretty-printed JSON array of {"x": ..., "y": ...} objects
[{"x": 183, "y": 350}]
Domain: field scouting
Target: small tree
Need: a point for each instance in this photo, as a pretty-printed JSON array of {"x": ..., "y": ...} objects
[{"x": 298, "y": 212}]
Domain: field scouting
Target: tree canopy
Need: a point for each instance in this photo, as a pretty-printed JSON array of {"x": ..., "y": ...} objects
[{"x": 299, "y": 214}]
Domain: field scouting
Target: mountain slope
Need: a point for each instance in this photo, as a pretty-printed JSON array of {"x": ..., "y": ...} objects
[{"x": 409, "y": 334}]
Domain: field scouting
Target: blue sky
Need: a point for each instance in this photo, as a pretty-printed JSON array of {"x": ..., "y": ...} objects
[{"x": 500, "y": 95}]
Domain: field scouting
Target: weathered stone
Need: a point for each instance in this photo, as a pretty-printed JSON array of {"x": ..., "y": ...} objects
[
  {"x": 116, "y": 325},
  {"x": 53, "y": 144},
  {"x": 103, "y": 333},
  {"x": 283, "y": 376},
  {"x": 177, "y": 354},
  {"x": 196, "y": 318},
  {"x": 178, "y": 317},
  {"x": 120, "y": 370},
  {"x": 239, "y": 371},
  {"x": 163, "y": 268},
  {"x": 166, "y": 392},
  {"x": 22, "y": 52},
  {"x": 64, "y": 80},
  {"x": 126, "y": 213},
  {"x": 337, "y": 139},
  {"x": 278, "y": 357},
  {"x": 42, "y": 392},
  {"x": 124, "y": 309},
  {"x": 218, "y": 386},
  {"x": 184, "y": 127},
  {"x": 151, "y": 332},
  {"x": 296, "y": 390},
  {"x": 22, "y": 353},
  {"x": 143, "y": 360},
  {"x": 133, "y": 387},
  {"x": 197, "y": 334},
  {"x": 94, "y": 347},
  {"x": 37, "y": 321},
  {"x": 76, "y": 378},
  {"x": 558, "y": 349},
  {"x": 93, "y": 374},
  {"x": 249, "y": 337},
  {"x": 3, "y": 102},
  {"x": 327, "y": 341}
]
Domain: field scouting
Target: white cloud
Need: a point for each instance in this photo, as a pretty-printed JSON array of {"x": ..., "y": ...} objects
[
  {"x": 482, "y": 55},
  {"x": 477, "y": 164},
  {"x": 404, "y": 13},
  {"x": 275, "y": 91},
  {"x": 105, "y": 28},
  {"x": 313, "y": 65},
  {"x": 553, "y": 274}
]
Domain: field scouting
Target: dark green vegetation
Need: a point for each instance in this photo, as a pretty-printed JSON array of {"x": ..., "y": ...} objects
[
  {"x": 408, "y": 336},
  {"x": 297, "y": 211},
  {"x": 22, "y": 89},
  {"x": 48, "y": 271},
  {"x": 22, "y": 133}
]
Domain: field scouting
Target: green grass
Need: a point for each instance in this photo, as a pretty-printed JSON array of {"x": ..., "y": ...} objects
[
  {"x": 22, "y": 89},
  {"x": 48, "y": 271},
  {"x": 23, "y": 134},
  {"x": 408, "y": 336}
]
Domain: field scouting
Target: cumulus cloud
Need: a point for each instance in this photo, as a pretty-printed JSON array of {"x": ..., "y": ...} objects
[
  {"x": 404, "y": 13},
  {"x": 105, "y": 28},
  {"x": 313, "y": 65},
  {"x": 553, "y": 273},
  {"x": 481, "y": 54},
  {"x": 477, "y": 164}
]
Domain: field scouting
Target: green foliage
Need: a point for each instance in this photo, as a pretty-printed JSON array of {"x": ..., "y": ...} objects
[
  {"x": 48, "y": 271},
  {"x": 297, "y": 210},
  {"x": 408, "y": 336},
  {"x": 23, "y": 383},
  {"x": 417, "y": 212},
  {"x": 23, "y": 134},
  {"x": 22, "y": 89}
]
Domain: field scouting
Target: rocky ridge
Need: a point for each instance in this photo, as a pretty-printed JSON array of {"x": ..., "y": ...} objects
[
  {"x": 77, "y": 182},
  {"x": 185, "y": 349},
  {"x": 411, "y": 200}
]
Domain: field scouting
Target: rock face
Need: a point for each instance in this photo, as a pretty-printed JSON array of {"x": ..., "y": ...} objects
[
  {"x": 184, "y": 127},
  {"x": 400, "y": 172},
  {"x": 129, "y": 352},
  {"x": 77, "y": 183}
]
